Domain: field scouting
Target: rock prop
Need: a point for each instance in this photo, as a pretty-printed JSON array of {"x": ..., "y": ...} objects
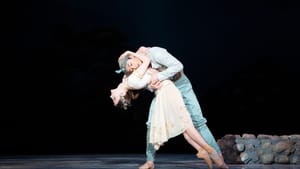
[{"x": 260, "y": 149}]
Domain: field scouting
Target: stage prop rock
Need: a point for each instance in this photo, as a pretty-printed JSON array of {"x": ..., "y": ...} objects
[{"x": 260, "y": 149}]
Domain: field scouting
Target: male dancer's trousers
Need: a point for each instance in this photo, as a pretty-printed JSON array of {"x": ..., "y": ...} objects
[{"x": 193, "y": 106}]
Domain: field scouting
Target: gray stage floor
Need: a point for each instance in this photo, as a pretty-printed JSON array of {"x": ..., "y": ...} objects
[{"x": 117, "y": 161}]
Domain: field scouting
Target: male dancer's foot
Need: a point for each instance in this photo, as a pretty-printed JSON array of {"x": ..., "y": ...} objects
[
  {"x": 221, "y": 156},
  {"x": 147, "y": 165},
  {"x": 218, "y": 159}
]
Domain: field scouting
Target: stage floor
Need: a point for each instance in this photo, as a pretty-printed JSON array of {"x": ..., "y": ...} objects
[{"x": 117, "y": 161}]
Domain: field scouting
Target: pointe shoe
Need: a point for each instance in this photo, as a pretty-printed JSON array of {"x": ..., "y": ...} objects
[
  {"x": 204, "y": 155},
  {"x": 147, "y": 165}
]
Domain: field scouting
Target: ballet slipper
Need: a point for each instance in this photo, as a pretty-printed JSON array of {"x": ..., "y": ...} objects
[
  {"x": 221, "y": 156},
  {"x": 204, "y": 155},
  {"x": 147, "y": 165},
  {"x": 224, "y": 166},
  {"x": 218, "y": 160}
]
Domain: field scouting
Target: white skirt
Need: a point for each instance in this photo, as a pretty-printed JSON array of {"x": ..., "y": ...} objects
[{"x": 170, "y": 117}]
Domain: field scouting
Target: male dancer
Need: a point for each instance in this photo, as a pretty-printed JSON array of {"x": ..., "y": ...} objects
[{"x": 169, "y": 68}]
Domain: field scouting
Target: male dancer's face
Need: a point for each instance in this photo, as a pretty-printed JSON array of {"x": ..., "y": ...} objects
[{"x": 132, "y": 64}]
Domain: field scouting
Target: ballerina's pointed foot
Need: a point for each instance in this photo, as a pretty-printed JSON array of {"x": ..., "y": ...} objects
[
  {"x": 147, "y": 165},
  {"x": 202, "y": 154}
]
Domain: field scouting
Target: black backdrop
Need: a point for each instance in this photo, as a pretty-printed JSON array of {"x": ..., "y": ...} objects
[{"x": 60, "y": 57}]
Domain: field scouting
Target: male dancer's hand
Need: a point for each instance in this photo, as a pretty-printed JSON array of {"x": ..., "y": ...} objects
[{"x": 155, "y": 82}]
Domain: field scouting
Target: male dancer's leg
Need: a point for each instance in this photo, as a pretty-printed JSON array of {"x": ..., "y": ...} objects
[
  {"x": 150, "y": 150},
  {"x": 208, "y": 137},
  {"x": 193, "y": 106}
]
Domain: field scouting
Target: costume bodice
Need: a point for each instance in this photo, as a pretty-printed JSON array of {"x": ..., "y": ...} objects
[{"x": 136, "y": 83}]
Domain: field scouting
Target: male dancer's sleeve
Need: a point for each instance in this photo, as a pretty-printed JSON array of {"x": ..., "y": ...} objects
[{"x": 161, "y": 57}]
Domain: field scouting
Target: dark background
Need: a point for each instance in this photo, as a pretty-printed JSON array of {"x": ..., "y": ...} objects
[{"x": 241, "y": 57}]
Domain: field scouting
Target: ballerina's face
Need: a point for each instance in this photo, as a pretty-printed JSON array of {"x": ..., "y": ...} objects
[{"x": 132, "y": 64}]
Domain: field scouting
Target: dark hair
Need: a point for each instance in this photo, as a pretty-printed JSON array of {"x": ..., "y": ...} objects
[{"x": 125, "y": 101}]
